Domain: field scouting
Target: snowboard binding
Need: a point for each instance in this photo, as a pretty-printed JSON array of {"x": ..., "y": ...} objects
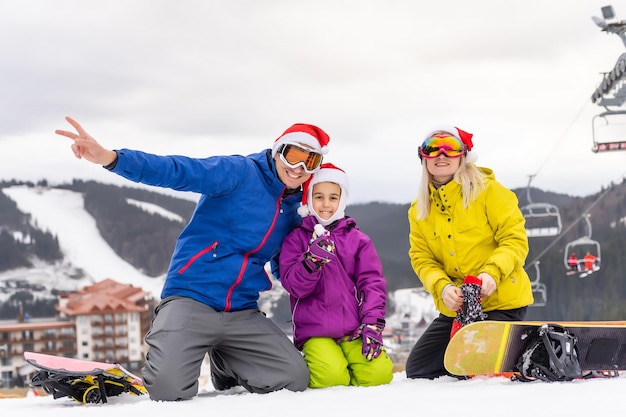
[
  {"x": 550, "y": 355},
  {"x": 92, "y": 388}
]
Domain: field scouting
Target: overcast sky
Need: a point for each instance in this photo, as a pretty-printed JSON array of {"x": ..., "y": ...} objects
[{"x": 201, "y": 77}]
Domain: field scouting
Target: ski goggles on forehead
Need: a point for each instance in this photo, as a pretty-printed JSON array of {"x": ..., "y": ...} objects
[
  {"x": 436, "y": 145},
  {"x": 294, "y": 156}
]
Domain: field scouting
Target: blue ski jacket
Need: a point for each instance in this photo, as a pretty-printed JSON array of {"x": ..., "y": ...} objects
[{"x": 238, "y": 225}]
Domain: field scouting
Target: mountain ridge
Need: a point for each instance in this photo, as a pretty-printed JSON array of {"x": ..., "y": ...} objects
[{"x": 145, "y": 239}]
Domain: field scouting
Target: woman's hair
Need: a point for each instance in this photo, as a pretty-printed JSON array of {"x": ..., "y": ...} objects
[{"x": 472, "y": 182}]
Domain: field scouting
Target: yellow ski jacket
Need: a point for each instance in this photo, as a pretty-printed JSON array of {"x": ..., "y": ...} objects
[{"x": 489, "y": 236}]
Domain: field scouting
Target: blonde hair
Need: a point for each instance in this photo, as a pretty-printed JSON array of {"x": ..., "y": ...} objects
[{"x": 471, "y": 178}]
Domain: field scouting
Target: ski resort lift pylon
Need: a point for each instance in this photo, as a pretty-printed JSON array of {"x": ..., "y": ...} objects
[
  {"x": 611, "y": 92},
  {"x": 542, "y": 219},
  {"x": 540, "y": 292},
  {"x": 586, "y": 252}
]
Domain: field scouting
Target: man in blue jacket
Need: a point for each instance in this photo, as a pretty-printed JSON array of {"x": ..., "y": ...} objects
[{"x": 248, "y": 204}]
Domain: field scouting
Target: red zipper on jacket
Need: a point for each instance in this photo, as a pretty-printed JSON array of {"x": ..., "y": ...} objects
[
  {"x": 247, "y": 256},
  {"x": 197, "y": 255}
]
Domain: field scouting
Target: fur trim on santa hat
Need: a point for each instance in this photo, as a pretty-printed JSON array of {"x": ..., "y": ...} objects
[
  {"x": 304, "y": 134},
  {"x": 461, "y": 135},
  {"x": 327, "y": 173}
]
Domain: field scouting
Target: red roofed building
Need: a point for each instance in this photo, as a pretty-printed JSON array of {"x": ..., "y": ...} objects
[
  {"x": 111, "y": 320},
  {"x": 103, "y": 322}
]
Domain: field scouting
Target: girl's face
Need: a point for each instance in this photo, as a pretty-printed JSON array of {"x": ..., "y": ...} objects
[
  {"x": 443, "y": 168},
  {"x": 325, "y": 199}
]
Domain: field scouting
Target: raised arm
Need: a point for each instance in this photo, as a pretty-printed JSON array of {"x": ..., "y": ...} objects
[{"x": 86, "y": 147}]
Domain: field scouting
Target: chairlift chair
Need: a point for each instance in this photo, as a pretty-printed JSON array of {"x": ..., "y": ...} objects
[
  {"x": 542, "y": 219},
  {"x": 604, "y": 138},
  {"x": 580, "y": 247},
  {"x": 540, "y": 291}
]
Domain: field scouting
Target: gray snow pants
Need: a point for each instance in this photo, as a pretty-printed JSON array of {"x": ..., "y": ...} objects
[{"x": 252, "y": 350}]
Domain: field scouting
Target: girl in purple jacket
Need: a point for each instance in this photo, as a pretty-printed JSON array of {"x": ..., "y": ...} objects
[{"x": 337, "y": 290}]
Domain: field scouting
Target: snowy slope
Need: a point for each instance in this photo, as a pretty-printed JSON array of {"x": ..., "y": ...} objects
[{"x": 61, "y": 213}]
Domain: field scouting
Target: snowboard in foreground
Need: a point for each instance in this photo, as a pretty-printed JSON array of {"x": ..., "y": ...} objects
[
  {"x": 538, "y": 350},
  {"x": 84, "y": 381}
]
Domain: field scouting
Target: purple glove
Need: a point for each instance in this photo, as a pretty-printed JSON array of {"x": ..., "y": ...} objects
[
  {"x": 321, "y": 249},
  {"x": 372, "y": 339}
]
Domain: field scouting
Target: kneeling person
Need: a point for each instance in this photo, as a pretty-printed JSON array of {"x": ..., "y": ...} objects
[{"x": 337, "y": 289}]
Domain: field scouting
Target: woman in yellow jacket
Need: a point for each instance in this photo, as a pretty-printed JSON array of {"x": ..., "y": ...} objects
[{"x": 463, "y": 223}]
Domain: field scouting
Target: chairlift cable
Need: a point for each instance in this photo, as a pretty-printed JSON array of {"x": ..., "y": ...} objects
[
  {"x": 574, "y": 223},
  {"x": 558, "y": 143},
  {"x": 584, "y": 215},
  {"x": 558, "y": 238}
]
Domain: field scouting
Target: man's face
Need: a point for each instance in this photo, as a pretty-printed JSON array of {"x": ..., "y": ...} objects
[{"x": 293, "y": 178}]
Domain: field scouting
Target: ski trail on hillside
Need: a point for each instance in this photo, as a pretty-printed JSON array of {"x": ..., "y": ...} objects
[{"x": 61, "y": 212}]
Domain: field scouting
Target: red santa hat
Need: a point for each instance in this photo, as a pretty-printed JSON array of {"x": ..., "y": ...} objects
[
  {"x": 327, "y": 173},
  {"x": 461, "y": 135},
  {"x": 305, "y": 134}
]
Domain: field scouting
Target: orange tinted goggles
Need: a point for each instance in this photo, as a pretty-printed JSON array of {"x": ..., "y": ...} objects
[{"x": 293, "y": 156}]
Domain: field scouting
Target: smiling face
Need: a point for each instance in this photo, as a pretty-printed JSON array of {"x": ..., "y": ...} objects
[
  {"x": 293, "y": 178},
  {"x": 443, "y": 168},
  {"x": 325, "y": 199}
]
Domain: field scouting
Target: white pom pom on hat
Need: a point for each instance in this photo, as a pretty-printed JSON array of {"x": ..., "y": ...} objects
[
  {"x": 327, "y": 173},
  {"x": 305, "y": 134},
  {"x": 462, "y": 135}
]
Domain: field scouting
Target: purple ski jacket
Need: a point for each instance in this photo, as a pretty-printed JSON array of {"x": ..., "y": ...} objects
[{"x": 335, "y": 300}]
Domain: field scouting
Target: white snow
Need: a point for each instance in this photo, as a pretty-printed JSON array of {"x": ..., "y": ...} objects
[
  {"x": 61, "y": 213},
  {"x": 153, "y": 208},
  {"x": 480, "y": 397}
]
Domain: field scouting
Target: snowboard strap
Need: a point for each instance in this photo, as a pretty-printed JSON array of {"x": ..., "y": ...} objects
[
  {"x": 612, "y": 373},
  {"x": 90, "y": 388},
  {"x": 550, "y": 355}
]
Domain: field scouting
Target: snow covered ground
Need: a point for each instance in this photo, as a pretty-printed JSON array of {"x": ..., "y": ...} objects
[{"x": 481, "y": 397}]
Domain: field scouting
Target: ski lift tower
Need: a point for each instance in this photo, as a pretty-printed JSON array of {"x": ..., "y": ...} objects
[{"x": 611, "y": 93}]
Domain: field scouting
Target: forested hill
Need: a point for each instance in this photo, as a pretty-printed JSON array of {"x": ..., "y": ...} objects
[{"x": 146, "y": 241}]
